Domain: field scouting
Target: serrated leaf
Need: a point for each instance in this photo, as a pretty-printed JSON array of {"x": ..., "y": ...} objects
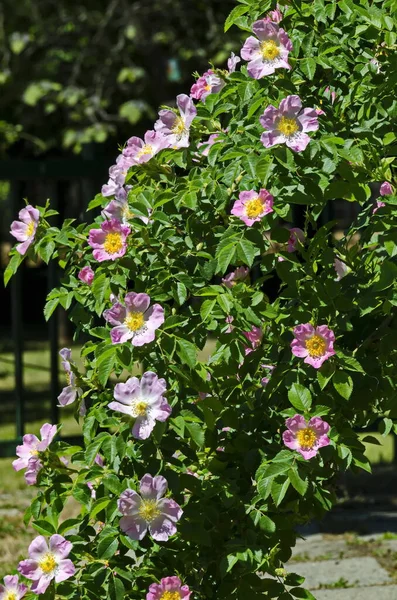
[
  {"x": 107, "y": 547},
  {"x": 225, "y": 256},
  {"x": 280, "y": 486},
  {"x": 206, "y": 308},
  {"x": 99, "y": 505},
  {"x": 298, "y": 483},
  {"x": 43, "y": 527},
  {"x": 237, "y": 12},
  {"x": 187, "y": 352},
  {"x": 50, "y": 307},
  {"x": 105, "y": 364},
  {"x": 196, "y": 433},
  {"x": 343, "y": 384},
  {"x": 300, "y": 397},
  {"x": 246, "y": 252},
  {"x": 308, "y": 67},
  {"x": 181, "y": 292},
  {"x": 266, "y": 524}
]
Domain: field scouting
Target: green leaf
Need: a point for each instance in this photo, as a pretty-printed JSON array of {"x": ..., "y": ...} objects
[
  {"x": 274, "y": 469},
  {"x": 99, "y": 287},
  {"x": 12, "y": 267},
  {"x": 116, "y": 589},
  {"x": 234, "y": 15},
  {"x": 50, "y": 306},
  {"x": 300, "y": 397},
  {"x": 343, "y": 384},
  {"x": 187, "y": 352},
  {"x": 308, "y": 67},
  {"x": 225, "y": 256},
  {"x": 206, "y": 308},
  {"x": 280, "y": 486},
  {"x": 301, "y": 593},
  {"x": 196, "y": 433},
  {"x": 298, "y": 483},
  {"x": 107, "y": 547},
  {"x": 181, "y": 292},
  {"x": 266, "y": 524},
  {"x": 43, "y": 527},
  {"x": 99, "y": 505},
  {"x": 105, "y": 364},
  {"x": 246, "y": 252}
]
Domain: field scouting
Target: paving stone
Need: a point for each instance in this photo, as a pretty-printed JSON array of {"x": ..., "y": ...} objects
[
  {"x": 387, "y": 592},
  {"x": 359, "y": 572},
  {"x": 319, "y": 548}
]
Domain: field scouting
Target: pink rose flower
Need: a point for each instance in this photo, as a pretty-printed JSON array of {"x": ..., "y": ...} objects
[
  {"x": 47, "y": 562},
  {"x": 229, "y": 320},
  {"x": 232, "y": 62},
  {"x": 149, "y": 511},
  {"x": 341, "y": 268},
  {"x": 117, "y": 176},
  {"x": 314, "y": 344},
  {"x": 252, "y": 207},
  {"x": 176, "y": 127},
  {"x": 207, "y": 84},
  {"x": 134, "y": 320},
  {"x": 110, "y": 241},
  {"x": 119, "y": 209},
  {"x": 12, "y": 589},
  {"x": 72, "y": 391},
  {"x": 143, "y": 401},
  {"x": 140, "y": 151},
  {"x": 379, "y": 204},
  {"x": 268, "y": 51},
  {"x": 86, "y": 275},
  {"x": 25, "y": 229},
  {"x": 386, "y": 189},
  {"x": 239, "y": 274},
  {"x": 29, "y": 452},
  {"x": 169, "y": 588},
  {"x": 254, "y": 336},
  {"x": 306, "y": 437},
  {"x": 274, "y": 15},
  {"x": 288, "y": 124},
  {"x": 213, "y": 139}
]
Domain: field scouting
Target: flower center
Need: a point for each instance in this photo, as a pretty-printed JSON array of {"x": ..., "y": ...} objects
[
  {"x": 149, "y": 510},
  {"x": 126, "y": 213},
  {"x": 113, "y": 243},
  {"x": 254, "y": 208},
  {"x": 30, "y": 229},
  {"x": 179, "y": 126},
  {"x": 288, "y": 126},
  {"x": 48, "y": 563},
  {"x": 140, "y": 409},
  {"x": 269, "y": 50},
  {"x": 134, "y": 320},
  {"x": 306, "y": 437},
  {"x": 316, "y": 346},
  {"x": 170, "y": 596},
  {"x": 10, "y": 596},
  {"x": 146, "y": 149}
]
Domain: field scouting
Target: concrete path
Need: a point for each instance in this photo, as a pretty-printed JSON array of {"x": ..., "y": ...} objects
[{"x": 347, "y": 567}]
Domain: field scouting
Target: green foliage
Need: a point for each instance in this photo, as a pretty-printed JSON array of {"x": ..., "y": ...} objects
[{"x": 242, "y": 491}]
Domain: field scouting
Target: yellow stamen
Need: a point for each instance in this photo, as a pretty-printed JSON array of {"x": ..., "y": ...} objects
[
  {"x": 34, "y": 452},
  {"x": 288, "y": 126},
  {"x": 316, "y": 346},
  {"x": 170, "y": 596},
  {"x": 149, "y": 511},
  {"x": 253, "y": 208},
  {"x": 269, "y": 50},
  {"x": 30, "y": 229},
  {"x": 126, "y": 213},
  {"x": 179, "y": 126},
  {"x": 48, "y": 563},
  {"x": 134, "y": 320},
  {"x": 113, "y": 243},
  {"x": 140, "y": 408},
  {"x": 146, "y": 149},
  {"x": 306, "y": 437},
  {"x": 10, "y": 596}
]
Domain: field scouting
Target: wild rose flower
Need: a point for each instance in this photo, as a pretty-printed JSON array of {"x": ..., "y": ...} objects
[
  {"x": 306, "y": 437},
  {"x": 86, "y": 275},
  {"x": 213, "y": 139},
  {"x": 232, "y": 62},
  {"x": 47, "y": 562},
  {"x": 239, "y": 274},
  {"x": 119, "y": 209},
  {"x": 110, "y": 241},
  {"x": 288, "y": 124},
  {"x": 29, "y": 452},
  {"x": 296, "y": 237},
  {"x": 254, "y": 336},
  {"x": 117, "y": 176},
  {"x": 134, "y": 320},
  {"x": 252, "y": 207},
  {"x": 176, "y": 127},
  {"x": 386, "y": 189},
  {"x": 141, "y": 151},
  {"x": 315, "y": 344},
  {"x": 229, "y": 320},
  {"x": 25, "y": 229},
  {"x": 169, "y": 588},
  {"x": 341, "y": 269},
  {"x": 12, "y": 589},
  {"x": 149, "y": 511},
  {"x": 274, "y": 15},
  {"x": 208, "y": 83},
  {"x": 143, "y": 401},
  {"x": 72, "y": 390},
  {"x": 268, "y": 51}
]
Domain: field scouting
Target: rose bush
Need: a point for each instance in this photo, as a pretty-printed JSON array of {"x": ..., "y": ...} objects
[{"x": 194, "y": 474}]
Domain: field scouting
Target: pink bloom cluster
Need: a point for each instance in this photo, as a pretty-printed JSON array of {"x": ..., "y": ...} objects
[
  {"x": 306, "y": 437},
  {"x": 169, "y": 588},
  {"x": 143, "y": 401},
  {"x": 288, "y": 124},
  {"x": 25, "y": 229},
  {"x": 47, "y": 562},
  {"x": 252, "y": 207},
  {"x": 110, "y": 241},
  {"x": 314, "y": 344},
  {"x": 208, "y": 83},
  {"x": 267, "y": 51},
  {"x": 176, "y": 127},
  {"x": 134, "y": 320},
  {"x": 149, "y": 511},
  {"x": 29, "y": 452}
]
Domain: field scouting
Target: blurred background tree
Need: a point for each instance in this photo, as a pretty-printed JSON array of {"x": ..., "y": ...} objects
[{"x": 81, "y": 72}]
